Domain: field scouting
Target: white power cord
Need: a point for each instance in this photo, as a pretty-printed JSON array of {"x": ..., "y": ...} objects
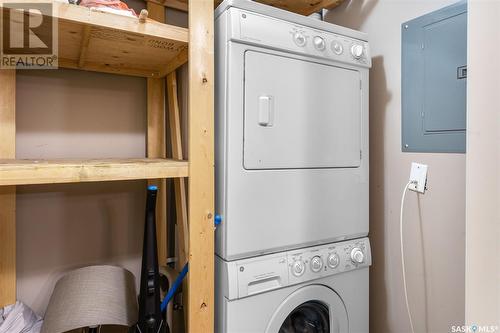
[{"x": 402, "y": 251}]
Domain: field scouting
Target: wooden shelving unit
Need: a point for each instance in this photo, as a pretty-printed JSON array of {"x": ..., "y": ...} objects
[{"x": 109, "y": 43}]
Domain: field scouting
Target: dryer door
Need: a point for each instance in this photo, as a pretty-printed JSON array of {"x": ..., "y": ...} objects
[
  {"x": 300, "y": 114},
  {"x": 311, "y": 309}
]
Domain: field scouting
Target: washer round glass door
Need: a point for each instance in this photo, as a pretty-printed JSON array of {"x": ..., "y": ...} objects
[
  {"x": 311, "y": 309},
  {"x": 309, "y": 317}
]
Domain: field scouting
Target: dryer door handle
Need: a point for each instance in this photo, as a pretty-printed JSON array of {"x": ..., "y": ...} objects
[{"x": 266, "y": 111}]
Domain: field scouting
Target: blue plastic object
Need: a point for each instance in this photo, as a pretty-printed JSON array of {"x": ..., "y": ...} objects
[
  {"x": 175, "y": 286},
  {"x": 152, "y": 187},
  {"x": 217, "y": 220}
]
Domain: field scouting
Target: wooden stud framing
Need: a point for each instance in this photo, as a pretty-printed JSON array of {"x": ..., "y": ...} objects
[
  {"x": 304, "y": 7},
  {"x": 156, "y": 12},
  {"x": 176, "y": 4},
  {"x": 156, "y": 149},
  {"x": 175, "y": 63},
  {"x": 156, "y": 142},
  {"x": 179, "y": 183},
  {"x": 201, "y": 167},
  {"x": 8, "y": 193}
]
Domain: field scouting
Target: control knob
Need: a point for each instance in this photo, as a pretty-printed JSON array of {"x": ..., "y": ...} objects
[
  {"x": 337, "y": 48},
  {"x": 357, "y": 51},
  {"x": 357, "y": 256},
  {"x": 319, "y": 43},
  {"x": 333, "y": 260},
  {"x": 316, "y": 264},
  {"x": 299, "y": 39},
  {"x": 298, "y": 267}
]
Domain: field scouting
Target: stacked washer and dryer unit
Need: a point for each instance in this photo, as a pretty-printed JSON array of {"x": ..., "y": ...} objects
[{"x": 291, "y": 173}]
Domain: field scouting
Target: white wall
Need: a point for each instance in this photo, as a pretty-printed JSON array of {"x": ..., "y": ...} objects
[
  {"x": 483, "y": 166},
  {"x": 434, "y": 222},
  {"x": 75, "y": 114}
]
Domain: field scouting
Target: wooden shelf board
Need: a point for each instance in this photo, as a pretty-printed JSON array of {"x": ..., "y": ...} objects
[
  {"x": 26, "y": 172},
  {"x": 104, "y": 42},
  {"x": 304, "y": 7}
]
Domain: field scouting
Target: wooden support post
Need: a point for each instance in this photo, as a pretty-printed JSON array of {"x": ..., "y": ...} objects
[
  {"x": 156, "y": 149},
  {"x": 156, "y": 142},
  {"x": 179, "y": 183},
  {"x": 201, "y": 167},
  {"x": 7, "y": 193}
]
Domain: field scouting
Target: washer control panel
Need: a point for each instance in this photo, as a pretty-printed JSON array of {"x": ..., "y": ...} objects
[
  {"x": 251, "y": 276},
  {"x": 320, "y": 261},
  {"x": 274, "y": 33}
]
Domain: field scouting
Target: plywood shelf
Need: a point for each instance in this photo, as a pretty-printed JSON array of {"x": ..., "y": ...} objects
[
  {"x": 111, "y": 43},
  {"x": 25, "y": 172}
]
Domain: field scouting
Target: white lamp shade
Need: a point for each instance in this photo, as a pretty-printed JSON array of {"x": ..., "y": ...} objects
[{"x": 94, "y": 295}]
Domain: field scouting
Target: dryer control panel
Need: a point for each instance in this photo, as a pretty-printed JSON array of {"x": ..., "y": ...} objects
[
  {"x": 256, "y": 275},
  {"x": 254, "y": 28}
]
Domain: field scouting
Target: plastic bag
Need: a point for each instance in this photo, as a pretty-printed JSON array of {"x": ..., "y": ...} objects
[
  {"x": 19, "y": 318},
  {"x": 116, "y": 5}
]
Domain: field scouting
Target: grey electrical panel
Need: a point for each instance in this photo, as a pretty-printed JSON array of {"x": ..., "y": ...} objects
[{"x": 434, "y": 80}]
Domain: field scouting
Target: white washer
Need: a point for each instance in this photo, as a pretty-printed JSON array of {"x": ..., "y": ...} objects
[
  {"x": 322, "y": 288},
  {"x": 291, "y": 131}
]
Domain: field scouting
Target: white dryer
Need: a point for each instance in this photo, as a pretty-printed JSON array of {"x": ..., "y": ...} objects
[
  {"x": 321, "y": 289},
  {"x": 291, "y": 130}
]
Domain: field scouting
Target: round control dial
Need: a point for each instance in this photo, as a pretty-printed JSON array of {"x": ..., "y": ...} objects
[
  {"x": 357, "y": 255},
  {"x": 299, "y": 39},
  {"x": 298, "y": 268},
  {"x": 333, "y": 260},
  {"x": 316, "y": 264},
  {"x": 319, "y": 43},
  {"x": 357, "y": 51},
  {"x": 337, "y": 48}
]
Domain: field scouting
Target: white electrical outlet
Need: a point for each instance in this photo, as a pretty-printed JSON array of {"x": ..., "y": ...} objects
[{"x": 418, "y": 177}]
